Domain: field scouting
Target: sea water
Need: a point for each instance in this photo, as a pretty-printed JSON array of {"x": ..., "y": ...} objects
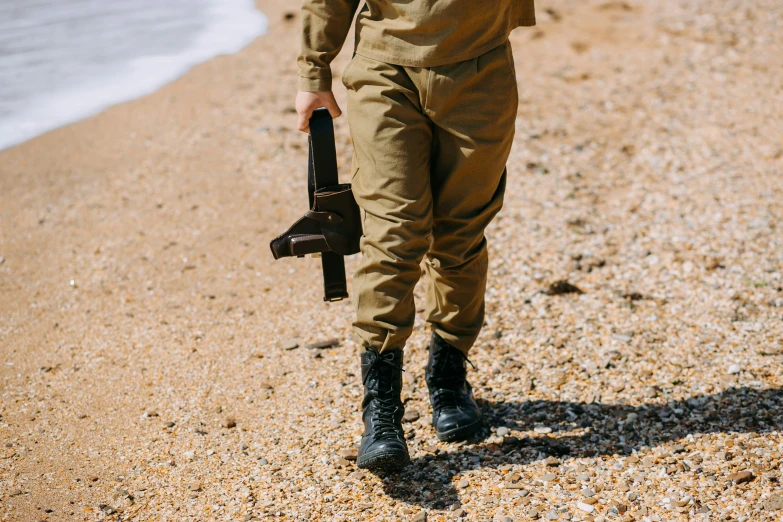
[{"x": 64, "y": 60}]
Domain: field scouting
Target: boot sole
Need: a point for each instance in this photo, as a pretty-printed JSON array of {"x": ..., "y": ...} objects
[
  {"x": 461, "y": 433},
  {"x": 383, "y": 460}
]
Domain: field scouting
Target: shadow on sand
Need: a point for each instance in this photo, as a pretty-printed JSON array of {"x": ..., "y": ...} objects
[{"x": 427, "y": 481}]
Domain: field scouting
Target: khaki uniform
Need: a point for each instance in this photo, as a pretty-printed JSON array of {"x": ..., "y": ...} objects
[{"x": 431, "y": 138}]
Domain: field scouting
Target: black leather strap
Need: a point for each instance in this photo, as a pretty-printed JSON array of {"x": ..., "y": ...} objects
[{"x": 322, "y": 172}]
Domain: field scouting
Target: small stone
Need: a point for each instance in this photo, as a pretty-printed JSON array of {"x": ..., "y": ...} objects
[
  {"x": 542, "y": 429},
  {"x": 741, "y": 477},
  {"x": 678, "y": 448},
  {"x": 463, "y": 484},
  {"x": 552, "y": 515},
  {"x": 169, "y": 424},
  {"x": 503, "y": 431},
  {"x": 588, "y": 492},
  {"x": 459, "y": 512},
  {"x": 562, "y": 287},
  {"x": 247, "y": 517},
  {"x": 584, "y": 477},
  {"x": 650, "y": 392},
  {"x": 265, "y": 386},
  {"x": 349, "y": 454},
  {"x": 262, "y": 462},
  {"x": 585, "y": 507},
  {"x": 342, "y": 463},
  {"x": 734, "y": 369},
  {"x": 152, "y": 413},
  {"x": 431, "y": 449},
  {"x": 623, "y": 338},
  {"x": 229, "y": 422},
  {"x": 92, "y": 478},
  {"x": 410, "y": 416},
  {"x": 189, "y": 454},
  {"x": 548, "y": 477},
  {"x": 591, "y": 500},
  {"x": 15, "y": 492},
  {"x": 324, "y": 344},
  {"x": 290, "y": 345},
  {"x": 358, "y": 475},
  {"x": 421, "y": 517},
  {"x": 195, "y": 486},
  {"x": 633, "y": 496},
  {"x": 534, "y": 513},
  {"x": 551, "y": 462}
]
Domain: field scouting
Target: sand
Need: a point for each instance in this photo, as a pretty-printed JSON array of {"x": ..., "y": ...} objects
[{"x": 141, "y": 311}]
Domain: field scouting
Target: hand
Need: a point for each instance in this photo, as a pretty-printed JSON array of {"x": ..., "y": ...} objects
[{"x": 307, "y": 102}]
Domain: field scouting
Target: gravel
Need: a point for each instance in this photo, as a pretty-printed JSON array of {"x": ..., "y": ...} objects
[{"x": 646, "y": 172}]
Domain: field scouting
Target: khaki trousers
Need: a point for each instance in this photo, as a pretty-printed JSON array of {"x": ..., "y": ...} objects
[{"x": 430, "y": 148}]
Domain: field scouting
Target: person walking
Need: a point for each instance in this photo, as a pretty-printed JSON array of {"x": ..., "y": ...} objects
[{"x": 432, "y": 102}]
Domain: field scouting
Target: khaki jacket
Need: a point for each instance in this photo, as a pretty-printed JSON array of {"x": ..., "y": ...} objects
[{"x": 414, "y": 33}]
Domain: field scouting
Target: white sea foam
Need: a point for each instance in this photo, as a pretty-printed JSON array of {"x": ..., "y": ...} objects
[{"x": 224, "y": 27}]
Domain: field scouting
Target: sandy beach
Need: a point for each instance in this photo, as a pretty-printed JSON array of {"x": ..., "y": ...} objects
[{"x": 154, "y": 358}]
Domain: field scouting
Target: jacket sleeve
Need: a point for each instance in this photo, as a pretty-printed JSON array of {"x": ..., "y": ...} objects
[{"x": 325, "y": 25}]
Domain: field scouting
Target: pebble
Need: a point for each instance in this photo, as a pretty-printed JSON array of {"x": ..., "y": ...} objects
[
  {"x": 542, "y": 429},
  {"x": 552, "y": 515},
  {"x": 650, "y": 392},
  {"x": 585, "y": 507},
  {"x": 262, "y": 462},
  {"x": 421, "y": 517},
  {"x": 551, "y": 461},
  {"x": 463, "y": 484},
  {"x": 229, "y": 422},
  {"x": 562, "y": 287},
  {"x": 328, "y": 343},
  {"x": 548, "y": 477},
  {"x": 195, "y": 486},
  {"x": 734, "y": 369},
  {"x": 503, "y": 431},
  {"x": 741, "y": 477},
  {"x": 410, "y": 416},
  {"x": 349, "y": 454},
  {"x": 588, "y": 492},
  {"x": 290, "y": 345},
  {"x": 169, "y": 424}
]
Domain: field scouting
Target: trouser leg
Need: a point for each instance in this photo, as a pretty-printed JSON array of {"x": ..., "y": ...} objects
[
  {"x": 473, "y": 106},
  {"x": 391, "y": 182}
]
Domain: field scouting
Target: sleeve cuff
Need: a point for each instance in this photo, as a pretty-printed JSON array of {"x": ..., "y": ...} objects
[{"x": 315, "y": 84}]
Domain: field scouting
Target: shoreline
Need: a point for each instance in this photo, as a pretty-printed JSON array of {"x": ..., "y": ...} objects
[{"x": 138, "y": 77}]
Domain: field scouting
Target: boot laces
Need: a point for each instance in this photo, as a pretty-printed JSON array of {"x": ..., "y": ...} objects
[{"x": 387, "y": 405}]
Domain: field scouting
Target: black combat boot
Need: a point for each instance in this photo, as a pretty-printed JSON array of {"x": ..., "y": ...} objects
[
  {"x": 383, "y": 442},
  {"x": 455, "y": 414}
]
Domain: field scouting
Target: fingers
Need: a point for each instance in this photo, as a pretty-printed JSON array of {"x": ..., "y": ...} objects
[
  {"x": 307, "y": 102},
  {"x": 303, "y": 122},
  {"x": 331, "y": 105}
]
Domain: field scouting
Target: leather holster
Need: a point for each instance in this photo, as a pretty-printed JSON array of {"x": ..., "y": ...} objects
[{"x": 333, "y": 225}]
